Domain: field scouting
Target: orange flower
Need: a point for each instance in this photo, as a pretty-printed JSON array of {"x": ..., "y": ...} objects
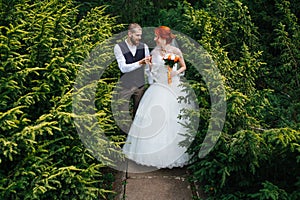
[
  {"x": 170, "y": 61},
  {"x": 177, "y": 58},
  {"x": 169, "y": 57}
]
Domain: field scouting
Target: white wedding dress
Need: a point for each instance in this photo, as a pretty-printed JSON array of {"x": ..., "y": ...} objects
[{"x": 155, "y": 134}]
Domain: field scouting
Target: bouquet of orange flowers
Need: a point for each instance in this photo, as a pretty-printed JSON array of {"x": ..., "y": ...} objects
[{"x": 170, "y": 61}]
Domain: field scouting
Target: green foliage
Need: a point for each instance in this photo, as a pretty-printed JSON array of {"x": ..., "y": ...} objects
[
  {"x": 43, "y": 44},
  {"x": 278, "y": 23},
  {"x": 254, "y": 45},
  {"x": 244, "y": 158},
  {"x": 248, "y": 158},
  {"x": 270, "y": 191}
]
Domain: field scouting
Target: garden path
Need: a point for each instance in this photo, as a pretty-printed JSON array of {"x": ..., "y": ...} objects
[{"x": 162, "y": 184}]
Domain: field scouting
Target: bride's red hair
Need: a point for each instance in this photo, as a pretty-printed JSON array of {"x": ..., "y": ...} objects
[{"x": 165, "y": 33}]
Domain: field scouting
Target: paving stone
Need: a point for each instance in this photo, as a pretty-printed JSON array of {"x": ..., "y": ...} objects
[
  {"x": 162, "y": 184},
  {"x": 158, "y": 188}
]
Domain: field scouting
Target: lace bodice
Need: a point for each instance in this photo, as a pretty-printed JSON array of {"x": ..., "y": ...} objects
[{"x": 159, "y": 71}]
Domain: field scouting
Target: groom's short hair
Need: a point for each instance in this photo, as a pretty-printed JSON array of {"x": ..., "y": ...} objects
[{"x": 133, "y": 27}]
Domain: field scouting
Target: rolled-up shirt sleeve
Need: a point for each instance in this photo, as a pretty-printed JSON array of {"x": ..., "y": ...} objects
[
  {"x": 147, "y": 53},
  {"x": 147, "y": 67},
  {"x": 122, "y": 62}
]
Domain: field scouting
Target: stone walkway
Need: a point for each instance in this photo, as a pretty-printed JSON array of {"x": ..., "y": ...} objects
[{"x": 140, "y": 183}]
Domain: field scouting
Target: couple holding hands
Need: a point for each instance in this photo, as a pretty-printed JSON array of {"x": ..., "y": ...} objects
[{"x": 156, "y": 131}]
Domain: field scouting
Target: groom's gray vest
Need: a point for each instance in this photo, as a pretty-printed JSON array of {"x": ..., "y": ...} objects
[{"x": 136, "y": 77}]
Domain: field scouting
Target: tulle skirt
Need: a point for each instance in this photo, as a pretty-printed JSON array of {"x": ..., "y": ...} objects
[{"x": 156, "y": 132}]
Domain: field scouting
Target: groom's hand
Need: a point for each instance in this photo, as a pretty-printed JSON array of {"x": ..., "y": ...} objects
[
  {"x": 146, "y": 60},
  {"x": 142, "y": 62}
]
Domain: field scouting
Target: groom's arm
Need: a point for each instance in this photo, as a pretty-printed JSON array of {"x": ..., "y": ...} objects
[{"x": 122, "y": 61}]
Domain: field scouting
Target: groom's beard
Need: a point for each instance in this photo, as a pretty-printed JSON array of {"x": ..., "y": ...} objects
[{"x": 134, "y": 42}]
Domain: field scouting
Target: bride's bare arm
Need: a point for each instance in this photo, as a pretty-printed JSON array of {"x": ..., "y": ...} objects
[{"x": 181, "y": 62}]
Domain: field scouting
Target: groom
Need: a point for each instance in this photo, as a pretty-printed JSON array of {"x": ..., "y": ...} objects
[{"x": 132, "y": 56}]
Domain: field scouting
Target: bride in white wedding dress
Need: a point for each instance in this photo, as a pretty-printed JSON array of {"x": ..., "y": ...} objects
[{"x": 156, "y": 131}]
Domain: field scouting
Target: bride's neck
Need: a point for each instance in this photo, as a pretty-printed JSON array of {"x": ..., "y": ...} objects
[{"x": 164, "y": 48}]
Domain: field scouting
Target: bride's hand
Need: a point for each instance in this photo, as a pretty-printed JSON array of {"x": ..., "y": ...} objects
[
  {"x": 173, "y": 73},
  {"x": 148, "y": 60}
]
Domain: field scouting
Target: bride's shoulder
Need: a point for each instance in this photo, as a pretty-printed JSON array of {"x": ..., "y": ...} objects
[
  {"x": 175, "y": 50},
  {"x": 155, "y": 50}
]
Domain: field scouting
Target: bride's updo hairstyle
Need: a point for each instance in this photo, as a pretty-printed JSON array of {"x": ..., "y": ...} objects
[{"x": 165, "y": 33}]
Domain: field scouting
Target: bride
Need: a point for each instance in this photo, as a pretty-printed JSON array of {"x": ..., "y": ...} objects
[{"x": 154, "y": 136}]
